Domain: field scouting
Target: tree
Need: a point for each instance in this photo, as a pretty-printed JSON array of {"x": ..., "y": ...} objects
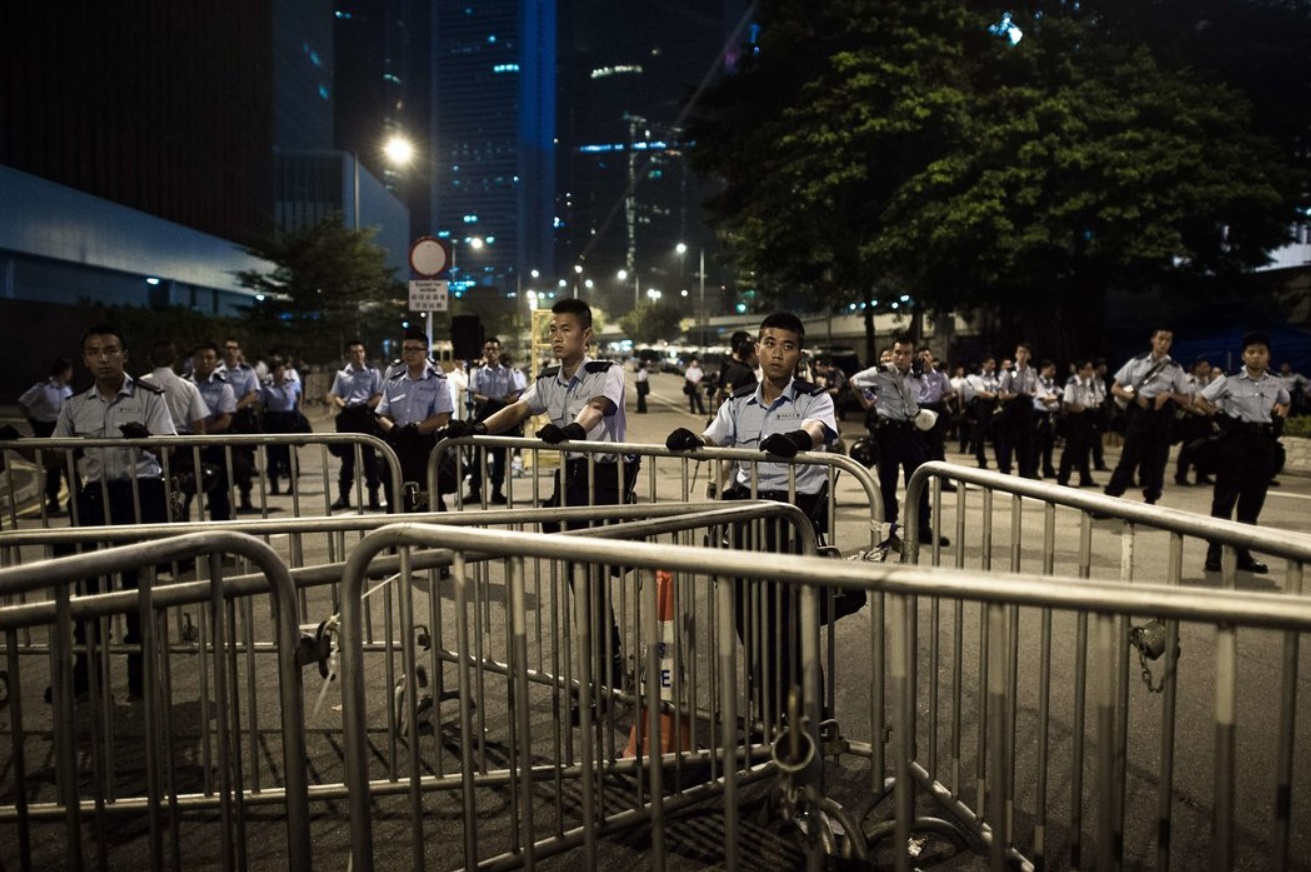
[
  {"x": 329, "y": 284},
  {"x": 884, "y": 148},
  {"x": 651, "y": 322}
]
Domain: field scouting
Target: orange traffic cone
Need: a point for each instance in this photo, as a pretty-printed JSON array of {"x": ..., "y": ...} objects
[{"x": 675, "y": 727}]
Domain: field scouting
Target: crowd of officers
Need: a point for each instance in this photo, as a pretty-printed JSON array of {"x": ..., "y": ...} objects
[{"x": 765, "y": 398}]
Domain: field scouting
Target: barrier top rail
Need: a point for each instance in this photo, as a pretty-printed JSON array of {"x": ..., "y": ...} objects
[
  {"x": 44, "y": 574},
  {"x": 1279, "y": 543},
  {"x": 836, "y": 462}
]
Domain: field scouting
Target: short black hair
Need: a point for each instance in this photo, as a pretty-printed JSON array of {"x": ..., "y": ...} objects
[
  {"x": 163, "y": 352},
  {"x": 104, "y": 330},
  {"x": 741, "y": 341},
  {"x": 416, "y": 335},
  {"x": 206, "y": 346},
  {"x": 575, "y": 307},
  {"x": 1025, "y": 345},
  {"x": 60, "y": 366},
  {"x": 903, "y": 339},
  {"x": 1255, "y": 338},
  {"x": 360, "y": 342},
  {"x": 784, "y": 321}
]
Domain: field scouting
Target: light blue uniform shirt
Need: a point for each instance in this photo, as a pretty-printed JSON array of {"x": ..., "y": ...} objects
[
  {"x": 561, "y": 399},
  {"x": 1245, "y": 398},
  {"x": 44, "y": 400},
  {"x": 356, "y": 386},
  {"x": 411, "y": 401},
  {"x": 217, "y": 394},
  {"x": 744, "y": 421},
  {"x": 90, "y": 415},
  {"x": 1156, "y": 377}
]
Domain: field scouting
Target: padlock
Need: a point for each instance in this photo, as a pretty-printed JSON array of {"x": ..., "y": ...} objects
[{"x": 1149, "y": 639}]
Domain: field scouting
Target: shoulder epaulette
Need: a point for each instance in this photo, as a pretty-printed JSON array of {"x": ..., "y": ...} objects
[
  {"x": 801, "y": 386},
  {"x": 149, "y": 386},
  {"x": 744, "y": 391},
  {"x": 1143, "y": 356},
  {"x": 549, "y": 372},
  {"x": 598, "y": 365}
]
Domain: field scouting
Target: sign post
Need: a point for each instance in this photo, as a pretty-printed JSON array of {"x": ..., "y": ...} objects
[{"x": 430, "y": 257}]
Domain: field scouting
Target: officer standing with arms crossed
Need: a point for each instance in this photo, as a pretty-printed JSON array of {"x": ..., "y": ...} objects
[
  {"x": 1251, "y": 405},
  {"x": 584, "y": 400},
  {"x": 355, "y": 393},
  {"x": 115, "y": 480},
  {"x": 1148, "y": 383},
  {"x": 780, "y": 416}
]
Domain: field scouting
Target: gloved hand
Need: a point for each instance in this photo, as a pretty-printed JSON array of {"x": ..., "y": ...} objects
[
  {"x": 134, "y": 430},
  {"x": 554, "y": 435},
  {"x": 786, "y": 444},
  {"x": 683, "y": 439},
  {"x": 460, "y": 429}
]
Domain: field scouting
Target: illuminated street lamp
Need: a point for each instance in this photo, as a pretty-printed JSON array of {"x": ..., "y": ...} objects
[{"x": 681, "y": 249}]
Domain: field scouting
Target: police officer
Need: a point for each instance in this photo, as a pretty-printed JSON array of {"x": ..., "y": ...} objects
[
  {"x": 222, "y": 403},
  {"x": 281, "y": 398},
  {"x": 41, "y": 404},
  {"x": 985, "y": 387},
  {"x": 740, "y": 369},
  {"x": 897, "y": 388},
  {"x": 355, "y": 393},
  {"x": 1046, "y": 407},
  {"x": 415, "y": 404},
  {"x": 1192, "y": 426},
  {"x": 115, "y": 481},
  {"x": 1250, "y": 406},
  {"x": 183, "y": 397},
  {"x": 936, "y": 394},
  {"x": 245, "y": 384},
  {"x": 492, "y": 386},
  {"x": 584, "y": 401},
  {"x": 1016, "y": 389},
  {"x": 780, "y": 416},
  {"x": 1082, "y": 403},
  {"x": 1147, "y": 384}
]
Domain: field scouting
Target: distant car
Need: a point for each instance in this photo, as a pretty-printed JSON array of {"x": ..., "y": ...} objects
[{"x": 652, "y": 357}]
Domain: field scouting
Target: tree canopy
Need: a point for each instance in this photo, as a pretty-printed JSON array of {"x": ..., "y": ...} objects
[
  {"x": 650, "y": 323},
  {"x": 329, "y": 284},
  {"x": 879, "y": 147}
]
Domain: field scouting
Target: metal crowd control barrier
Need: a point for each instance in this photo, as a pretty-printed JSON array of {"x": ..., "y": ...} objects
[
  {"x": 218, "y": 458},
  {"x": 648, "y": 485},
  {"x": 1151, "y": 639},
  {"x": 1211, "y": 813},
  {"x": 320, "y": 600},
  {"x": 94, "y": 739}
]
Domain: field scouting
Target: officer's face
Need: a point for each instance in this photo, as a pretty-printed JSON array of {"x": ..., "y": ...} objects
[
  {"x": 901, "y": 356},
  {"x": 104, "y": 355},
  {"x": 356, "y": 354},
  {"x": 1161, "y": 340},
  {"x": 204, "y": 362},
  {"x": 568, "y": 337},
  {"x": 1256, "y": 358},
  {"x": 232, "y": 353},
  {"x": 779, "y": 351},
  {"x": 1021, "y": 355},
  {"x": 492, "y": 352}
]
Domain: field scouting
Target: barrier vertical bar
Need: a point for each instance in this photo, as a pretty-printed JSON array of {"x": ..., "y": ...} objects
[
  {"x": 1287, "y": 730},
  {"x": 1226, "y": 711},
  {"x": 1106, "y": 649},
  {"x": 903, "y": 696},
  {"x": 728, "y": 723},
  {"x": 999, "y": 686},
  {"x": 1169, "y": 705}
]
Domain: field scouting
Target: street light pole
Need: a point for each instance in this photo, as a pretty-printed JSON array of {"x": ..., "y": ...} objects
[
  {"x": 702, "y": 319},
  {"x": 355, "y": 162}
]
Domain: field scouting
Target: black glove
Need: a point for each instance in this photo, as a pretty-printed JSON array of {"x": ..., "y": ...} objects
[
  {"x": 459, "y": 429},
  {"x": 134, "y": 430},
  {"x": 787, "y": 444},
  {"x": 553, "y": 435},
  {"x": 683, "y": 439}
]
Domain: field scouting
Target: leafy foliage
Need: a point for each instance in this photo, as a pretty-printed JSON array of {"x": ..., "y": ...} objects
[
  {"x": 328, "y": 285},
  {"x": 877, "y": 147},
  {"x": 650, "y": 322}
]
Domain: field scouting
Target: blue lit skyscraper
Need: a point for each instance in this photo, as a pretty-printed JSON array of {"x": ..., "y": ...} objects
[{"x": 492, "y": 135}]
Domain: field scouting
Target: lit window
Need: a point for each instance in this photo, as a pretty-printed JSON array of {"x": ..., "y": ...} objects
[{"x": 323, "y": 92}]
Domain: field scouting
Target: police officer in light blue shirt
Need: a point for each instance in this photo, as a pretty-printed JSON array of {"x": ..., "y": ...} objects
[
  {"x": 583, "y": 400},
  {"x": 41, "y": 404},
  {"x": 1148, "y": 384},
  {"x": 415, "y": 404},
  {"x": 355, "y": 393},
  {"x": 492, "y": 387},
  {"x": 1249, "y": 406},
  {"x": 780, "y": 416},
  {"x": 222, "y": 403}
]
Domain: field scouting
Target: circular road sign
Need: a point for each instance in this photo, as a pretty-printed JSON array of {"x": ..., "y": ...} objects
[{"x": 429, "y": 256}]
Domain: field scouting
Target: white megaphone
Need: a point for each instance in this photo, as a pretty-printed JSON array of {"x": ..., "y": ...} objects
[{"x": 925, "y": 419}]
